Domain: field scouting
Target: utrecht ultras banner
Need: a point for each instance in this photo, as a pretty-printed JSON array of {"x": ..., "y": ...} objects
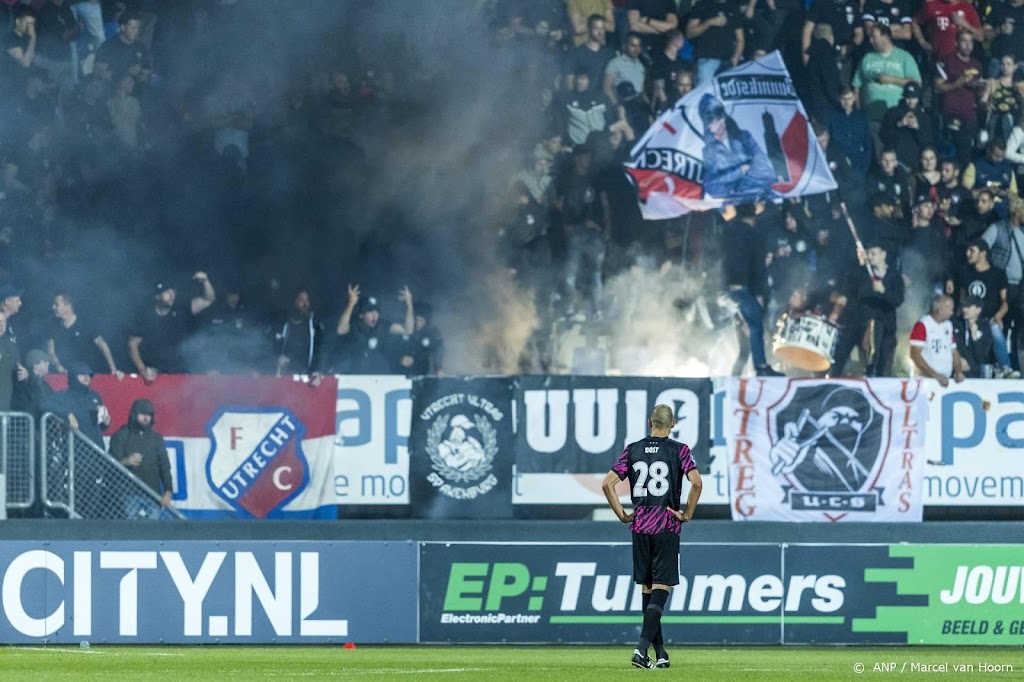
[
  {"x": 742, "y": 137},
  {"x": 826, "y": 450},
  {"x": 240, "y": 446}
]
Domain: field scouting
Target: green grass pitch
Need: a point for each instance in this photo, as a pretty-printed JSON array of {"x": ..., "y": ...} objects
[{"x": 495, "y": 664}]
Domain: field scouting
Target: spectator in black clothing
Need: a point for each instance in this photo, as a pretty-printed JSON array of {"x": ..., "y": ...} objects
[
  {"x": 19, "y": 46},
  {"x": 81, "y": 406},
  {"x": 844, "y": 17},
  {"x": 876, "y": 296},
  {"x": 71, "y": 340},
  {"x": 29, "y": 394},
  {"x": 422, "y": 352},
  {"x": 141, "y": 450},
  {"x": 1004, "y": 25},
  {"x": 850, "y": 132},
  {"x": 973, "y": 339},
  {"x": 666, "y": 66},
  {"x": 822, "y": 80},
  {"x": 592, "y": 56},
  {"x": 652, "y": 20},
  {"x": 299, "y": 340},
  {"x": 584, "y": 210},
  {"x": 989, "y": 284},
  {"x": 370, "y": 344},
  {"x": 954, "y": 198},
  {"x": 715, "y": 27},
  {"x": 57, "y": 28},
  {"x": 907, "y": 128},
  {"x": 161, "y": 328},
  {"x": 890, "y": 181},
  {"x": 125, "y": 53},
  {"x": 743, "y": 274}
]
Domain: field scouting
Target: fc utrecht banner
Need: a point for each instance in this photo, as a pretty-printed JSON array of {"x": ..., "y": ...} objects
[
  {"x": 240, "y": 446},
  {"x": 826, "y": 450},
  {"x": 460, "y": 448},
  {"x": 742, "y": 137}
]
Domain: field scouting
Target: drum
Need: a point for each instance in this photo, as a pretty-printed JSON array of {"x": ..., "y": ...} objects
[{"x": 807, "y": 342}]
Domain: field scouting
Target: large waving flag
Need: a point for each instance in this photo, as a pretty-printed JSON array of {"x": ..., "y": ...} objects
[{"x": 742, "y": 137}]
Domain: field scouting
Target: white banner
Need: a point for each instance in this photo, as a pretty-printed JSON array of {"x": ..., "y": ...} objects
[
  {"x": 826, "y": 450},
  {"x": 975, "y": 444},
  {"x": 371, "y": 450},
  {"x": 742, "y": 137}
]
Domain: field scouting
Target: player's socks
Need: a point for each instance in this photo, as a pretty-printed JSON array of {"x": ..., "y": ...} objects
[{"x": 652, "y": 618}]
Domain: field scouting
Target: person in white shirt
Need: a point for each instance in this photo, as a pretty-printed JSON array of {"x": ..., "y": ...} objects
[{"x": 932, "y": 346}]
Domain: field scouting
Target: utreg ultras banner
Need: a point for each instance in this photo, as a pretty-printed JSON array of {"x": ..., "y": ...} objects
[
  {"x": 205, "y": 593},
  {"x": 571, "y": 430},
  {"x": 742, "y": 137},
  {"x": 826, "y": 450},
  {"x": 460, "y": 448},
  {"x": 240, "y": 446}
]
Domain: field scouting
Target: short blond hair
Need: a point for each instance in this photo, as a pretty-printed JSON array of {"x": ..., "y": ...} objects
[{"x": 662, "y": 417}]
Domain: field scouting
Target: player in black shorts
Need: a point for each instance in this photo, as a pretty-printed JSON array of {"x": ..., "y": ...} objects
[{"x": 655, "y": 466}]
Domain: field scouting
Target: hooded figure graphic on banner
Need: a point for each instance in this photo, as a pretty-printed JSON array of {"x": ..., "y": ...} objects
[
  {"x": 740, "y": 137},
  {"x": 735, "y": 166}
]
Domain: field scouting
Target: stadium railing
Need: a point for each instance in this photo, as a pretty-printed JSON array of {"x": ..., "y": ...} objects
[
  {"x": 83, "y": 481},
  {"x": 17, "y": 461}
]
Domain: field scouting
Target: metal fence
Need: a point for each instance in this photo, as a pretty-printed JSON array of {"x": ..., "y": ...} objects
[
  {"x": 17, "y": 459},
  {"x": 82, "y": 480}
]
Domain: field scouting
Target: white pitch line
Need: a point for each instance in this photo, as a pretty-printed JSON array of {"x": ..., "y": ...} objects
[
  {"x": 94, "y": 651},
  {"x": 61, "y": 651},
  {"x": 419, "y": 671}
]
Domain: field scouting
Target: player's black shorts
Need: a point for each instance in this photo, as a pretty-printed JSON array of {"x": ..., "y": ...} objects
[{"x": 656, "y": 558}]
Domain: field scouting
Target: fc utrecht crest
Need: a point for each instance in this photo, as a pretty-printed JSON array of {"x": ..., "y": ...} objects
[
  {"x": 829, "y": 443},
  {"x": 256, "y": 463}
]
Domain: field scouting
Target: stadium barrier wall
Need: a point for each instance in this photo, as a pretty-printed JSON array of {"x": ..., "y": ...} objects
[
  {"x": 565, "y": 433},
  {"x": 207, "y": 592},
  {"x": 265, "y": 592},
  {"x": 736, "y": 594}
]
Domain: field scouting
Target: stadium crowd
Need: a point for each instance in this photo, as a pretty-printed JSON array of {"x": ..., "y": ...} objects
[
  {"x": 917, "y": 105},
  {"x": 138, "y": 131}
]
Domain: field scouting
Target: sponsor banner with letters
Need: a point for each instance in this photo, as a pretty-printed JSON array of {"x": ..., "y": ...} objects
[
  {"x": 461, "y": 448},
  {"x": 571, "y": 430},
  {"x": 172, "y": 592},
  {"x": 741, "y": 137},
  {"x": 826, "y": 450},
  {"x": 585, "y": 593},
  {"x": 975, "y": 443},
  {"x": 736, "y": 594},
  {"x": 371, "y": 449},
  {"x": 240, "y": 447}
]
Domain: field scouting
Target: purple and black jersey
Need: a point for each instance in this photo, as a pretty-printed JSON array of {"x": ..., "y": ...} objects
[{"x": 656, "y": 468}]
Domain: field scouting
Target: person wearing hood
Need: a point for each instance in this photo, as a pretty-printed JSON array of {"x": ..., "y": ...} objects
[
  {"x": 736, "y": 169},
  {"x": 907, "y": 127},
  {"x": 142, "y": 451},
  {"x": 81, "y": 406}
]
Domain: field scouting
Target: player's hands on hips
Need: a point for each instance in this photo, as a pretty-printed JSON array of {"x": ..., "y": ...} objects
[
  {"x": 627, "y": 517},
  {"x": 681, "y": 516}
]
